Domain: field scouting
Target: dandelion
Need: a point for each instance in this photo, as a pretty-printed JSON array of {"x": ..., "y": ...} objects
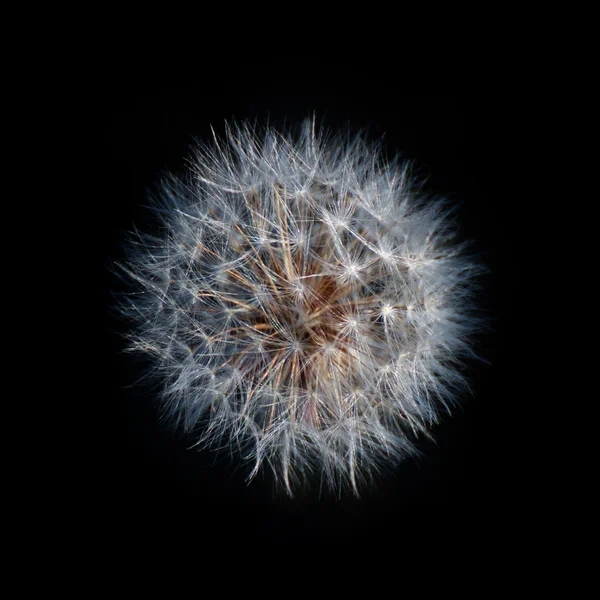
[{"x": 303, "y": 302}]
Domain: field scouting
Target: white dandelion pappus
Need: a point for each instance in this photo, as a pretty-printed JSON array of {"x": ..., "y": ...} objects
[{"x": 304, "y": 302}]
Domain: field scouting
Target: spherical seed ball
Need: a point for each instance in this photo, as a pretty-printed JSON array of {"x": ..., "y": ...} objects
[{"x": 303, "y": 301}]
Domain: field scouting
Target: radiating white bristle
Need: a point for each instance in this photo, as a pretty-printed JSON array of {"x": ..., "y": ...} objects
[{"x": 304, "y": 302}]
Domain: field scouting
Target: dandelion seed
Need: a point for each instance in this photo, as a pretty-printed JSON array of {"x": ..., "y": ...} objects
[{"x": 323, "y": 305}]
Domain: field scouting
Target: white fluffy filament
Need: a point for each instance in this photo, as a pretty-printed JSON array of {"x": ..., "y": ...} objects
[{"x": 305, "y": 301}]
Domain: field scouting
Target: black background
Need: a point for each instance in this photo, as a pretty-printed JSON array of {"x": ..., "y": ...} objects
[{"x": 148, "y": 476}]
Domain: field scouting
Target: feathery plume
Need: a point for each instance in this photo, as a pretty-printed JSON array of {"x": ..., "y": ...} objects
[{"x": 303, "y": 301}]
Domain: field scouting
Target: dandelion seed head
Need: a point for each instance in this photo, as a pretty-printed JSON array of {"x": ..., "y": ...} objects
[{"x": 324, "y": 307}]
